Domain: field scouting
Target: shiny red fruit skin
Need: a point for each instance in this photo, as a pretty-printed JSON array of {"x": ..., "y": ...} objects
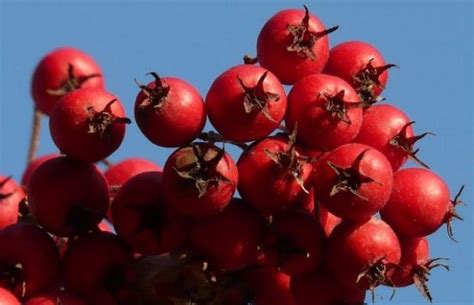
[
  {"x": 318, "y": 128},
  {"x": 225, "y": 104},
  {"x": 380, "y": 124},
  {"x": 120, "y": 172},
  {"x": 328, "y": 220},
  {"x": 55, "y": 298},
  {"x": 93, "y": 263},
  {"x": 52, "y": 71},
  {"x": 274, "y": 38},
  {"x": 345, "y": 204},
  {"x": 70, "y": 130},
  {"x": 268, "y": 286},
  {"x": 418, "y": 203},
  {"x": 11, "y": 195},
  {"x": 353, "y": 246},
  {"x": 182, "y": 195},
  {"x": 320, "y": 288},
  {"x": 178, "y": 121},
  {"x": 294, "y": 230},
  {"x": 36, "y": 251},
  {"x": 33, "y": 165},
  {"x": 6, "y": 298},
  {"x": 415, "y": 252},
  {"x": 263, "y": 184},
  {"x": 229, "y": 239},
  {"x": 143, "y": 221},
  {"x": 68, "y": 197},
  {"x": 350, "y": 57}
]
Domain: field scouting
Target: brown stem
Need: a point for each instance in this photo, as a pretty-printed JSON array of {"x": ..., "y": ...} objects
[
  {"x": 214, "y": 137},
  {"x": 35, "y": 135}
]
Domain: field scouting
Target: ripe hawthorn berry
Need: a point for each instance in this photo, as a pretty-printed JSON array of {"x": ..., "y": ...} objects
[
  {"x": 327, "y": 111},
  {"x": 389, "y": 130},
  {"x": 143, "y": 220},
  {"x": 169, "y": 111},
  {"x": 68, "y": 197},
  {"x": 416, "y": 265},
  {"x": 273, "y": 175},
  {"x": 354, "y": 181},
  {"x": 419, "y": 203},
  {"x": 88, "y": 124},
  {"x": 29, "y": 260},
  {"x": 230, "y": 240},
  {"x": 363, "y": 254},
  {"x": 199, "y": 180},
  {"x": 61, "y": 71},
  {"x": 246, "y": 103},
  {"x": 95, "y": 266},
  {"x": 11, "y": 197},
  {"x": 293, "y": 44},
  {"x": 360, "y": 64}
]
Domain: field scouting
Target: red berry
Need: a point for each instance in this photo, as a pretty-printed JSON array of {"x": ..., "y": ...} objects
[
  {"x": 246, "y": 103},
  {"x": 6, "y": 298},
  {"x": 295, "y": 243},
  {"x": 199, "y": 180},
  {"x": 33, "y": 165},
  {"x": 88, "y": 124},
  {"x": 61, "y": 71},
  {"x": 29, "y": 260},
  {"x": 267, "y": 285},
  {"x": 169, "y": 111},
  {"x": 320, "y": 288},
  {"x": 361, "y": 65},
  {"x": 419, "y": 203},
  {"x": 387, "y": 129},
  {"x": 141, "y": 218},
  {"x": 11, "y": 195},
  {"x": 96, "y": 264},
  {"x": 230, "y": 239},
  {"x": 415, "y": 265},
  {"x": 326, "y": 110},
  {"x": 274, "y": 175},
  {"x": 293, "y": 44},
  {"x": 363, "y": 254},
  {"x": 68, "y": 197},
  {"x": 353, "y": 181}
]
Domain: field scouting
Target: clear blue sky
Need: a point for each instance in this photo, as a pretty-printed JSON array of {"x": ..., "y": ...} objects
[{"x": 431, "y": 41}]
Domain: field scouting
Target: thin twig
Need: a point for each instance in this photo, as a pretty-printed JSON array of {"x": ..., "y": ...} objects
[{"x": 35, "y": 135}]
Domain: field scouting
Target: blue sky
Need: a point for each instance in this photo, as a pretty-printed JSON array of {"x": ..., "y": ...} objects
[{"x": 431, "y": 41}]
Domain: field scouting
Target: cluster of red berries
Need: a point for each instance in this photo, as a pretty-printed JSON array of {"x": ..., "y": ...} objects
[{"x": 305, "y": 231}]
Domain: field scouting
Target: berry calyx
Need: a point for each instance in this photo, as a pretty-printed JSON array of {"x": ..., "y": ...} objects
[
  {"x": 72, "y": 82},
  {"x": 376, "y": 274},
  {"x": 452, "y": 213},
  {"x": 405, "y": 143},
  {"x": 200, "y": 166},
  {"x": 155, "y": 97},
  {"x": 304, "y": 39},
  {"x": 99, "y": 122},
  {"x": 11, "y": 276},
  {"x": 256, "y": 98},
  {"x": 421, "y": 275},
  {"x": 337, "y": 107},
  {"x": 367, "y": 80}
]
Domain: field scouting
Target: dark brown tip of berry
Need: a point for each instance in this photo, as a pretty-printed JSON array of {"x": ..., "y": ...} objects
[
  {"x": 376, "y": 274},
  {"x": 453, "y": 214},
  {"x": 303, "y": 38},
  {"x": 200, "y": 167},
  {"x": 100, "y": 122},
  {"x": 406, "y": 144},
  {"x": 154, "y": 97},
  {"x": 337, "y": 107},
  {"x": 73, "y": 82},
  {"x": 421, "y": 275},
  {"x": 249, "y": 60},
  {"x": 289, "y": 160},
  {"x": 350, "y": 179},
  {"x": 256, "y": 98},
  {"x": 13, "y": 277}
]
